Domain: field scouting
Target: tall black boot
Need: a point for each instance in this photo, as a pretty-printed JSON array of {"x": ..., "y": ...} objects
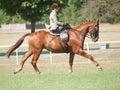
[{"x": 67, "y": 48}]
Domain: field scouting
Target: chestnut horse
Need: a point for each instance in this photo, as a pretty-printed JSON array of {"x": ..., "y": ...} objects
[{"x": 44, "y": 40}]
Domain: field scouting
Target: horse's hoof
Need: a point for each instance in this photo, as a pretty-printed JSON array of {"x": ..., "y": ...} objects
[
  {"x": 70, "y": 71},
  {"x": 14, "y": 72},
  {"x": 38, "y": 73},
  {"x": 100, "y": 69}
]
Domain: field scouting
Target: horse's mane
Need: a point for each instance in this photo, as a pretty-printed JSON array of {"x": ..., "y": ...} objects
[{"x": 87, "y": 21}]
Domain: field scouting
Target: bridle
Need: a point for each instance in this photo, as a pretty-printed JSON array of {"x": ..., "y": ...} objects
[
  {"x": 95, "y": 31},
  {"x": 88, "y": 35}
]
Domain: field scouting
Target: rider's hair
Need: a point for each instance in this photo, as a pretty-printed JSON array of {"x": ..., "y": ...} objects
[{"x": 54, "y": 5}]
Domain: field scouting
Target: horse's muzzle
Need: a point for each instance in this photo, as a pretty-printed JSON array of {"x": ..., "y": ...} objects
[{"x": 95, "y": 39}]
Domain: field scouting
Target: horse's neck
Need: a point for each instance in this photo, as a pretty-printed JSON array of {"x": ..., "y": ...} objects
[{"x": 83, "y": 31}]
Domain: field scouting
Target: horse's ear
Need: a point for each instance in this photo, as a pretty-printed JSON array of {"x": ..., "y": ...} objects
[{"x": 97, "y": 21}]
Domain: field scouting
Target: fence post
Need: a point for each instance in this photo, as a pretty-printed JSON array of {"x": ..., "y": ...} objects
[
  {"x": 17, "y": 56},
  {"x": 51, "y": 57},
  {"x": 88, "y": 51}
]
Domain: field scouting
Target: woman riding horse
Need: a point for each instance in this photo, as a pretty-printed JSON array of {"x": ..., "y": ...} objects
[
  {"x": 55, "y": 25},
  {"x": 44, "y": 40}
]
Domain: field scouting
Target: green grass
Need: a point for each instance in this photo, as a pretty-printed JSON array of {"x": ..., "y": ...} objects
[
  {"x": 83, "y": 80},
  {"x": 56, "y": 76}
]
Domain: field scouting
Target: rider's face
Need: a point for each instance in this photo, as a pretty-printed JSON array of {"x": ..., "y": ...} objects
[{"x": 57, "y": 9}]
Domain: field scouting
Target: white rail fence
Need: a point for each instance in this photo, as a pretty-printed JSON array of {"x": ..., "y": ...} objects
[{"x": 50, "y": 53}]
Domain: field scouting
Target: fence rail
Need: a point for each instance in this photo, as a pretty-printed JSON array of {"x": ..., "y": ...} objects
[{"x": 50, "y": 53}]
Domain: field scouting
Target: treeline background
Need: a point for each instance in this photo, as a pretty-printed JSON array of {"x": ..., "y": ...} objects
[{"x": 77, "y": 11}]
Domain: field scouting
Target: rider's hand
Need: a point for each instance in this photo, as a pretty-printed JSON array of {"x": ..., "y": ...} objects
[{"x": 66, "y": 26}]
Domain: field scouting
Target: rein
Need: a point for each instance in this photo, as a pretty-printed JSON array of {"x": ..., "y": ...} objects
[{"x": 88, "y": 35}]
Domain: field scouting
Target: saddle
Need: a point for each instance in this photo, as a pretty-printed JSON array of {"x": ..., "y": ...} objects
[{"x": 64, "y": 36}]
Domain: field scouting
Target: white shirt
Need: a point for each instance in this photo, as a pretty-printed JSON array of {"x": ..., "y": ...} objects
[{"x": 54, "y": 20}]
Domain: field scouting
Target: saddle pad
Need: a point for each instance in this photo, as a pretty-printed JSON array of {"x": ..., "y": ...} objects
[{"x": 64, "y": 36}]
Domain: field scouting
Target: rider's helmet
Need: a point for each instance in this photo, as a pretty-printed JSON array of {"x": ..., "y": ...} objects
[{"x": 54, "y": 5}]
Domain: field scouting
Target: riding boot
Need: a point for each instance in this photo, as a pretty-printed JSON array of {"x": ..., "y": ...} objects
[{"x": 67, "y": 48}]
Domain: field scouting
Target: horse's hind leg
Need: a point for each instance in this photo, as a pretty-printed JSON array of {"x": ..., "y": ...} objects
[
  {"x": 36, "y": 54},
  {"x": 24, "y": 58},
  {"x": 82, "y": 53},
  {"x": 71, "y": 57}
]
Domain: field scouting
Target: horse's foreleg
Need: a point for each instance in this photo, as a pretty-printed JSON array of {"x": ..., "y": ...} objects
[
  {"x": 84, "y": 54},
  {"x": 34, "y": 60},
  {"x": 71, "y": 58},
  {"x": 24, "y": 58}
]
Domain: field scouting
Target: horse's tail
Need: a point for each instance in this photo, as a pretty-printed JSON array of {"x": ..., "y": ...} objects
[{"x": 16, "y": 45}]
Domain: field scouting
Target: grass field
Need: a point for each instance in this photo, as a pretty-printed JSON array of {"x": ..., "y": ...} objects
[{"x": 55, "y": 76}]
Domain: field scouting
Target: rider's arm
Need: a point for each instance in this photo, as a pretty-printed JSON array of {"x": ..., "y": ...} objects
[{"x": 56, "y": 20}]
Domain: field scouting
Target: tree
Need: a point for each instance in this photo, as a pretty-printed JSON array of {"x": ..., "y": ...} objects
[
  {"x": 72, "y": 12},
  {"x": 105, "y": 10},
  {"x": 30, "y": 10},
  {"x": 4, "y": 18}
]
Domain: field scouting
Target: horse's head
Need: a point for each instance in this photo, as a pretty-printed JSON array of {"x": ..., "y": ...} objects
[
  {"x": 89, "y": 27},
  {"x": 93, "y": 30}
]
